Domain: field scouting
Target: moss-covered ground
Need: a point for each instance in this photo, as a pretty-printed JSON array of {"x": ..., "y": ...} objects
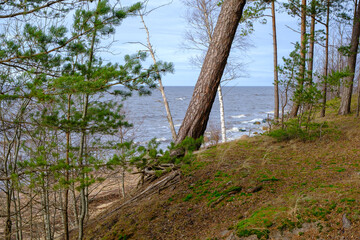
[{"x": 257, "y": 186}]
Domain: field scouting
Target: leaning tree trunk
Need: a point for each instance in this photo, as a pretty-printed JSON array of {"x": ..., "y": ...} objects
[
  {"x": 296, "y": 104},
  {"x": 197, "y": 114},
  {"x": 161, "y": 87},
  {"x": 349, "y": 81},
  {"x": 276, "y": 75}
]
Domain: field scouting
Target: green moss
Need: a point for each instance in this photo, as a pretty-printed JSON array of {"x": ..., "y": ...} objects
[
  {"x": 259, "y": 221},
  {"x": 272, "y": 179},
  {"x": 188, "y": 198},
  {"x": 189, "y": 168},
  {"x": 261, "y": 234},
  {"x": 287, "y": 224}
]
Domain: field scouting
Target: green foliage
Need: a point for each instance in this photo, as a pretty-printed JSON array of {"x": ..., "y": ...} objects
[
  {"x": 188, "y": 198},
  {"x": 289, "y": 225},
  {"x": 258, "y": 222},
  {"x": 307, "y": 131},
  {"x": 260, "y": 234}
]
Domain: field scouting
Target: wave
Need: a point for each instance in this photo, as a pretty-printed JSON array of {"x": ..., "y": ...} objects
[
  {"x": 162, "y": 139},
  {"x": 234, "y": 129},
  {"x": 254, "y": 120},
  {"x": 181, "y": 98},
  {"x": 239, "y": 116}
]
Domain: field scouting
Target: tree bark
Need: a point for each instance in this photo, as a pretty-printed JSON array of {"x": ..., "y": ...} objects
[
  {"x": 296, "y": 104},
  {"x": 326, "y": 60},
  {"x": 197, "y": 114},
  {"x": 276, "y": 75},
  {"x": 349, "y": 81}
]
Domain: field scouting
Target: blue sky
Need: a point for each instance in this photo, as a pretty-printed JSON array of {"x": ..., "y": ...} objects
[{"x": 167, "y": 27}]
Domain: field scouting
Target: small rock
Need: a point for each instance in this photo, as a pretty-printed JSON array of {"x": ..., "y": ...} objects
[
  {"x": 346, "y": 222},
  {"x": 257, "y": 123},
  {"x": 242, "y": 130},
  {"x": 254, "y": 189},
  {"x": 228, "y": 183},
  {"x": 233, "y": 237},
  {"x": 265, "y": 128},
  {"x": 243, "y": 137},
  {"x": 224, "y": 233}
]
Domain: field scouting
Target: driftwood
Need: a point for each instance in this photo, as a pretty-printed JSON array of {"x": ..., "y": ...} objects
[{"x": 165, "y": 182}]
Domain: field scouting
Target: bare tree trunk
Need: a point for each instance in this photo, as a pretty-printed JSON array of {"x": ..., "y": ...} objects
[
  {"x": 81, "y": 163},
  {"x": 296, "y": 104},
  {"x": 197, "y": 114},
  {"x": 75, "y": 205},
  {"x": 349, "y": 81},
  {"x": 123, "y": 182},
  {"x": 66, "y": 190},
  {"x": 31, "y": 214},
  {"x": 358, "y": 98},
  {"x": 312, "y": 43},
  {"x": 46, "y": 212},
  {"x": 326, "y": 60},
  {"x": 161, "y": 87},
  {"x": 19, "y": 224},
  {"x": 222, "y": 114},
  {"x": 276, "y": 75},
  {"x": 8, "y": 212}
]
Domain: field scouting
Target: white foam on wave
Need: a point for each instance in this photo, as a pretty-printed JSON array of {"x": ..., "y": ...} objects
[
  {"x": 181, "y": 98},
  {"x": 239, "y": 116},
  {"x": 254, "y": 120},
  {"x": 162, "y": 139},
  {"x": 271, "y": 112},
  {"x": 177, "y": 125},
  {"x": 234, "y": 129}
]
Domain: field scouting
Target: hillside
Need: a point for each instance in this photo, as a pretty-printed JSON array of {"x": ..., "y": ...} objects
[{"x": 256, "y": 188}]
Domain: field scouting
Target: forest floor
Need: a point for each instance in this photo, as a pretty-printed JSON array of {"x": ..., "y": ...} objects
[{"x": 257, "y": 188}]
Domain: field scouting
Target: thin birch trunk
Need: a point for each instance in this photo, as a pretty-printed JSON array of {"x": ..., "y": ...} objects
[{"x": 222, "y": 114}]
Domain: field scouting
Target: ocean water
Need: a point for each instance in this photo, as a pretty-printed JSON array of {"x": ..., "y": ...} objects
[{"x": 243, "y": 106}]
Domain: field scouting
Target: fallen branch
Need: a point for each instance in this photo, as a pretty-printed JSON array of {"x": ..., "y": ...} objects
[{"x": 167, "y": 181}]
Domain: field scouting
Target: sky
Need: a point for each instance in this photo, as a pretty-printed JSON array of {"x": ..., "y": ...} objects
[{"x": 167, "y": 26}]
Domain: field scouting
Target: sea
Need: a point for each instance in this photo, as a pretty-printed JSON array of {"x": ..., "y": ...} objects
[{"x": 245, "y": 108}]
